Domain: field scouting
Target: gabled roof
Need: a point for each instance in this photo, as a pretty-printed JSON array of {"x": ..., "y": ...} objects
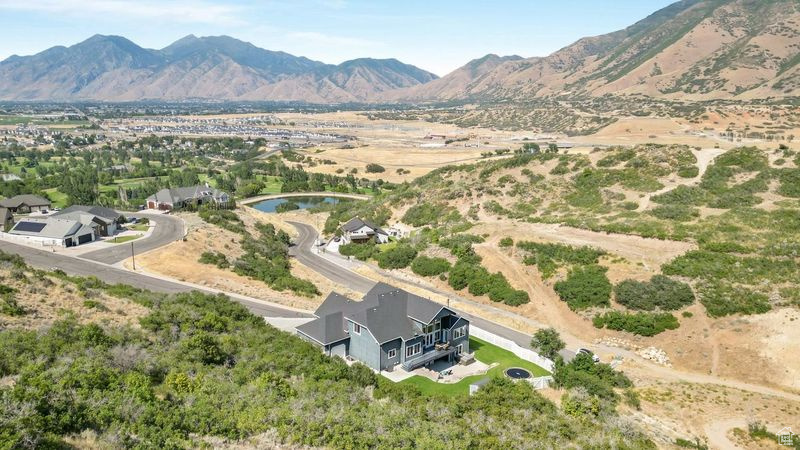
[
  {"x": 386, "y": 311},
  {"x": 325, "y": 330},
  {"x": 24, "y": 199},
  {"x": 356, "y": 223},
  {"x": 100, "y": 211},
  {"x": 181, "y": 194}
]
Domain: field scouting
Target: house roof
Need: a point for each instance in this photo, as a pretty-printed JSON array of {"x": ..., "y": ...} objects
[
  {"x": 386, "y": 311},
  {"x": 100, "y": 211},
  {"x": 325, "y": 330},
  {"x": 9, "y": 177},
  {"x": 24, "y": 199},
  {"x": 181, "y": 194},
  {"x": 356, "y": 223},
  {"x": 50, "y": 227}
]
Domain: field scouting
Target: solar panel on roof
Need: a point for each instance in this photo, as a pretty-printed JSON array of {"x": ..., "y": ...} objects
[{"x": 32, "y": 227}]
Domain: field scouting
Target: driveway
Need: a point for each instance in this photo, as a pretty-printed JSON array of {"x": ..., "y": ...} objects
[{"x": 167, "y": 229}]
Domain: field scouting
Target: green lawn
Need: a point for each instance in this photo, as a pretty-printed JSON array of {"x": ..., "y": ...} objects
[
  {"x": 58, "y": 198},
  {"x": 272, "y": 184},
  {"x": 139, "y": 227},
  {"x": 123, "y": 239},
  {"x": 485, "y": 353}
]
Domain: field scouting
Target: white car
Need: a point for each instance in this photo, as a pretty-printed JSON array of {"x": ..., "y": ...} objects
[{"x": 586, "y": 351}]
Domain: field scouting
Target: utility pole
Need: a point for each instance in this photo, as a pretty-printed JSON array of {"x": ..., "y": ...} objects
[{"x": 133, "y": 257}]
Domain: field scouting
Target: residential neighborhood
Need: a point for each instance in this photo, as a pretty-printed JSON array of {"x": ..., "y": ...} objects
[{"x": 357, "y": 230}]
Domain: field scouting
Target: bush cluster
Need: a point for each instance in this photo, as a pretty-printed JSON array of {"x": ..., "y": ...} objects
[
  {"x": 660, "y": 292},
  {"x": 642, "y": 324},
  {"x": 468, "y": 273},
  {"x": 585, "y": 287},
  {"x": 429, "y": 267},
  {"x": 215, "y": 258},
  {"x": 397, "y": 257},
  {"x": 548, "y": 257}
]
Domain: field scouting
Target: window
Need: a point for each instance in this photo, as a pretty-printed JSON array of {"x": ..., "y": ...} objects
[
  {"x": 412, "y": 350},
  {"x": 459, "y": 349},
  {"x": 459, "y": 332},
  {"x": 391, "y": 354},
  {"x": 356, "y": 328}
]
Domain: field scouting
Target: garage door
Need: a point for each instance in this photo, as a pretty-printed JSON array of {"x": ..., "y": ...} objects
[
  {"x": 339, "y": 350},
  {"x": 85, "y": 238}
]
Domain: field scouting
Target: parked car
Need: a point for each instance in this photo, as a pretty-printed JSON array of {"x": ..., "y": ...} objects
[
  {"x": 133, "y": 220},
  {"x": 586, "y": 351}
]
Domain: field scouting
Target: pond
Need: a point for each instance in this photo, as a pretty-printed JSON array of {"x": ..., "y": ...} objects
[{"x": 306, "y": 202}]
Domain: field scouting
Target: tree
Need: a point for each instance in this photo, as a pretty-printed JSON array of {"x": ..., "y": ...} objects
[
  {"x": 585, "y": 287},
  {"x": 547, "y": 342}
]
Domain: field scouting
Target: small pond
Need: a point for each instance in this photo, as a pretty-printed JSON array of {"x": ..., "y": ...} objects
[{"x": 272, "y": 205}]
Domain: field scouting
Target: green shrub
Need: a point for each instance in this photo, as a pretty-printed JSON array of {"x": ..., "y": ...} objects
[
  {"x": 286, "y": 207},
  {"x": 585, "y": 287},
  {"x": 642, "y": 324},
  {"x": 429, "y": 267},
  {"x": 547, "y": 342},
  {"x": 215, "y": 258},
  {"x": 361, "y": 251},
  {"x": 506, "y": 242},
  {"x": 375, "y": 168},
  {"x": 688, "y": 171},
  {"x": 660, "y": 292},
  {"x": 548, "y": 257},
  {"x": 396, "y": 258},
  {"x": 722, "y": 299},
  {"x": 678, "y": 213},
  {"x": 423, "y": 214}
]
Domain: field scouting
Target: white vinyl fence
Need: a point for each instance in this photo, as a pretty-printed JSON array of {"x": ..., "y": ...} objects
[{"x": 513, "y": 347}]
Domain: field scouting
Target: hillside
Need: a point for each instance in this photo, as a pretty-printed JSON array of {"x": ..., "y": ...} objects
[
  {"x": 692, "y": 49},
  {"x": 112, "y": 68},
  {"x": 194, "y": 370}
]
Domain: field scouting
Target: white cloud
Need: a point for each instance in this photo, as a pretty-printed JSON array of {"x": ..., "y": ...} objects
[{"x": 174, "y": 11}]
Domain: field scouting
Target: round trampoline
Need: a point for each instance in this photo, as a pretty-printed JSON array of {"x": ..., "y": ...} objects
[{"x": 517, "y": 373}]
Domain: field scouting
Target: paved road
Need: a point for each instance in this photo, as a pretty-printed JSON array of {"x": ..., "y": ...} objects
[
  {"x": 340, "y": 275},
  {"x": 167, "y": 229},
  {"x": 77, "y": 266},
  {"x": 302, "y": 250}
]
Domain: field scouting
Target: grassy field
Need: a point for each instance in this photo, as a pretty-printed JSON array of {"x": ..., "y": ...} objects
[
  {"x": 485, "y": 353},
  {"x": 58, "y": 198},
  {"x": 273, "y": 184}
]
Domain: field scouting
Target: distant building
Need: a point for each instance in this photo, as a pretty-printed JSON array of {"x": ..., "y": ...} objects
[
  {"x": 361, "y": 231},
  {"x": 104, "y": 219},
  {"x": 26, "y": 203},
  {"x": 389, "y": 327},
  {"x": 53, "y": 231},
  {"x": 179, "y": 198}
]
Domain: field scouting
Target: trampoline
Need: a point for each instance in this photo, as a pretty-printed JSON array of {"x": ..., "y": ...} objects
[{"x": 517, "y": 373}]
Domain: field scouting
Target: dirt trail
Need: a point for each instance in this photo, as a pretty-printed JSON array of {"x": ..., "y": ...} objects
[
  {"x": 717, "y": 433},
  {"x": 704, "y": 159}
]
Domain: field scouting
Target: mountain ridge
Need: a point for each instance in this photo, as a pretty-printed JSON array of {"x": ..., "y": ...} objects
[{"x": 109, "y": 67}]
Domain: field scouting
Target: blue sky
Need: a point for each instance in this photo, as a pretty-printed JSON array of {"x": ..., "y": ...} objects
[{"x": 436, "y": 35}]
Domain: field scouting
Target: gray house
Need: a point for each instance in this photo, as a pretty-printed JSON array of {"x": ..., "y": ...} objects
[
  {"x": 26, "y": 203},
  {"x": 387, "y": 328},
  {"x": 103, "y": 219},
  {"x": 177, "y": 198}
]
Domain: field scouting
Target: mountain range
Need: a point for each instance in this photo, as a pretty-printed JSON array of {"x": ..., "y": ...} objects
[
  {"x": 113, "y": 68},
  {"x": 692, "y": 49}
]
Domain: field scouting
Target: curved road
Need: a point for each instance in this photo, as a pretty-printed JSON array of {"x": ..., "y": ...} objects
[
  {"x": 83, "y": 267},
  {"x": 304, "y": 254},
  {"x": 167, "y": 229}
]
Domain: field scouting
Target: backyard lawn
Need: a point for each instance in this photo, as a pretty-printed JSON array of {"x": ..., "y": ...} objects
[{"x": 485, "y": 353}]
